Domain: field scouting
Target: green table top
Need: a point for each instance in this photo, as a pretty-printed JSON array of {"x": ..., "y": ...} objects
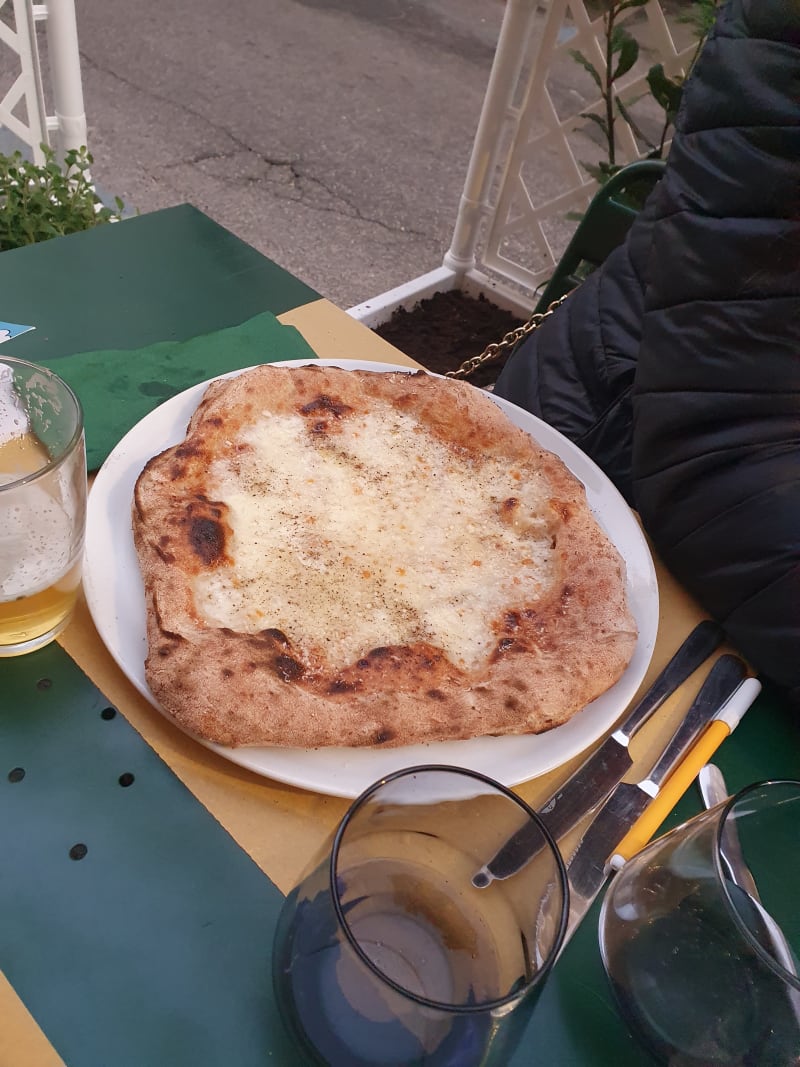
[
  {"x": 175, "y": 274},
  {"x": 165, "y": 276}
]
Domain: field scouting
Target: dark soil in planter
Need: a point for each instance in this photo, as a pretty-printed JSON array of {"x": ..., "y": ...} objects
[{"x": 448, "y": 328}]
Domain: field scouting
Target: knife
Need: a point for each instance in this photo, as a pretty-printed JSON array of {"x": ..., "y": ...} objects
[
  {"x": 588, "y": 867},
  {"x": 596, "y": 777},
  {"x": 695, "y": 765},
  {"x": 714, "y": 791}
]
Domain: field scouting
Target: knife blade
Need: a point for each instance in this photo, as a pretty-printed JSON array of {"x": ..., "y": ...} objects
[
  {"x": 592, "y": 782},
  {"x": 714, "y": 791},
  {"x": 588, "y": 866}
]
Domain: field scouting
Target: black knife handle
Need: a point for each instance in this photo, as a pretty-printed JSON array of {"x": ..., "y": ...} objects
[
  {"x": 704, "y": 639},
  {"x": 723, "y": 680}
]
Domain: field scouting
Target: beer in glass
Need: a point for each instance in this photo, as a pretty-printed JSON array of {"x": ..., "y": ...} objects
[{"x": 42, "y": 504}]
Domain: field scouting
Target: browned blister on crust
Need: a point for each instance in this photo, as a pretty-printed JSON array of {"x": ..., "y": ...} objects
[{"x": 548, "y": 648}]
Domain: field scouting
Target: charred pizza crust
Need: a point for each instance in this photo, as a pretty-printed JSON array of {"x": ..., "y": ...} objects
[{"x": 549, "y": 651}]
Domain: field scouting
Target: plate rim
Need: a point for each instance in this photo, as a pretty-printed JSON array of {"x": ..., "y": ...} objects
[{"x": 385, "y": 760}]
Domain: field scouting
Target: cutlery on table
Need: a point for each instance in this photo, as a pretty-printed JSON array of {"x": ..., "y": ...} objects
[
  {"x": 589, "y": 865},
  {"x": 592, "y": 782},
  {"x": 714, "y": 791},
  {"x": 721, "y": 726}
]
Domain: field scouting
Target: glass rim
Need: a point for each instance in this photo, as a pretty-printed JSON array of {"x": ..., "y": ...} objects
[
  {"x": 763, "y": 954},
  {"x": 459, "y": 1009},
  {"x": 67, "y": 450}
]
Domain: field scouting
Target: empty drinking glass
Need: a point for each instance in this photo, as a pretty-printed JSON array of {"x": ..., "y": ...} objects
[{"x": 386, "y": 954}]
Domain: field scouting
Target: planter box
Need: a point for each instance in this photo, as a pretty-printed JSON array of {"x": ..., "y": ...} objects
[{"x": 379, "y": 309}]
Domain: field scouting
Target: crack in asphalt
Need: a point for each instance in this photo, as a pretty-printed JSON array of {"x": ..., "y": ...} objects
[
  {"x": 299, "y": 179},
  {"x": 300, "y": 182}
]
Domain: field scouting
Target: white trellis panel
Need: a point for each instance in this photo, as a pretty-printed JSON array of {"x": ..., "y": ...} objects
[
  {"x": 519, "y": 214},
  {"x": 34, "y": 112},
  {"x": 525, "y": 175}
]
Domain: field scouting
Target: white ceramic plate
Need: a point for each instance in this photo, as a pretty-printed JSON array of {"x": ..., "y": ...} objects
[{"x": 116, "y": 600}]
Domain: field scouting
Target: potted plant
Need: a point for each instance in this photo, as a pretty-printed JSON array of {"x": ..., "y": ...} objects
[{"x": 51, "y": 199}]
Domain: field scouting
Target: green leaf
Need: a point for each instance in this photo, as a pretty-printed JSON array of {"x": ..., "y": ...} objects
[
  {"x": 667, "y": 92},
  {"x": 627, "y": 48},
  {"x": 600, "y": 120},
  {"x": 638, "y": 132},
  {"x": 601, "y": 171},
  {"x": 580, "y": 58},
  {"x": 701, "y": 16},
  {"x": 38, "y": 202}
]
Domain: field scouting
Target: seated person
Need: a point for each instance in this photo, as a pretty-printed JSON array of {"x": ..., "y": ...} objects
[{"x": 676, "y": 364}]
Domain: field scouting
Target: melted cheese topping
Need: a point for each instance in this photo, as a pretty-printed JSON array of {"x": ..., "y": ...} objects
[{"x": 377, "y": 534}]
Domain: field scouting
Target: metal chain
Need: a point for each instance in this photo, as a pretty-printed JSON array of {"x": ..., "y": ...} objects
[{"x": 495, "y": 350}]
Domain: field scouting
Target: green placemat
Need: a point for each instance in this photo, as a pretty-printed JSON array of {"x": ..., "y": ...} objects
[
  {"x": 119, "y": 387},
  {"x": 133, "y": 927}
]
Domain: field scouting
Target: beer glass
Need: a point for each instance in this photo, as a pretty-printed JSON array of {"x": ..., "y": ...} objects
[
  {"x": 42, "y": 505},
  {"x": 387, "y": 955}
]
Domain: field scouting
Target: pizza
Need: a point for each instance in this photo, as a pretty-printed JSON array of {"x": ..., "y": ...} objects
[{"x": 367, "y": 558}]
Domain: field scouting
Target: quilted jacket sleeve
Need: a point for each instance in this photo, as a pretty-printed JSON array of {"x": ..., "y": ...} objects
[
  {"x": 576, "y": 370},
  {"x": 716, "y": 398},
  {"x": 676, "y": 365}
]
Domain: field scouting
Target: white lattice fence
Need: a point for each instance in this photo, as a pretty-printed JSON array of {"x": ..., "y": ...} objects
[
  {"x": 37, "y": 110},
  {"x": 541, "y": 180},
  {"x": 526, "y": 176}
]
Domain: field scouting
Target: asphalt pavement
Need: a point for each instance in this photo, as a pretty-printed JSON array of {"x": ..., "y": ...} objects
[{"x": 332, "y": 135}]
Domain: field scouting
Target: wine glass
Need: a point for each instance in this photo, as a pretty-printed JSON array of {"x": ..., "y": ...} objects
[{"x": 702, "y": 949}]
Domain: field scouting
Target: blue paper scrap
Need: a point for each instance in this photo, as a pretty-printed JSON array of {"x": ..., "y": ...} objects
[{"x": 12, "y": 329}]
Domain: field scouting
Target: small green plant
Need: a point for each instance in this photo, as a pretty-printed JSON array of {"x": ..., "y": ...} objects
[
  {"x": 40, "y": 201},
  {"x": 621, "y": 52}
]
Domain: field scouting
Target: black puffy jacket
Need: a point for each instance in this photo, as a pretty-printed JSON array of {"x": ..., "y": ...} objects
[{"x": 676, "y": 365}]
